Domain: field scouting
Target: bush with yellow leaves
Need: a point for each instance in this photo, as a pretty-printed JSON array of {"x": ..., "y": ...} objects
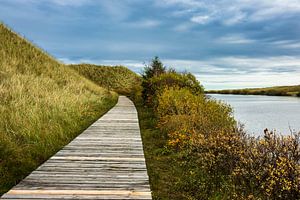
[
  {"x": 226, "y": 160},
  {"x": 219, "y": 159},
  {"x": 182, "y": 114},
  {"x": 153, "y": 86},
  {"x": 269, "y": 167}
]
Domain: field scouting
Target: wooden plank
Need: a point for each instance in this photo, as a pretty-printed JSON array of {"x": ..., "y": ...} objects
[
  {"x": 134, "y": 158},
  {"x": 77, "y": 192},
  {"x": 106, "y": 161}
]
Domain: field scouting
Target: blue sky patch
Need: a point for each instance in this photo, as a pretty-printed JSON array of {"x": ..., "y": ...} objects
[{"x": 225, "y": 43}]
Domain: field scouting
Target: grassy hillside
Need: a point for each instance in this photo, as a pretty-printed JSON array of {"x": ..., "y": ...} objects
[
  {"x": 43, "y": 105},
  {"x": 118, "y": 78},
  {"x": 271, "y": 91}
]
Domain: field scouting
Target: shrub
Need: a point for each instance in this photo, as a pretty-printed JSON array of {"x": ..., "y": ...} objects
[
  {"x": 219, "y": 159},
  {"x": 222, "y": 158},
  {"x": 203, "y": 130},
  {"x": 209, "y": 165},
  {"x": 154, "y": 86},
  {"x": 269, "y": 167},
  {"x": 182, "y": 114}
]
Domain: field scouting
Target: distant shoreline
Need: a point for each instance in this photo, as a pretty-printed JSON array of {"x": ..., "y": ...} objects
[{"x": 269, "y": 91}]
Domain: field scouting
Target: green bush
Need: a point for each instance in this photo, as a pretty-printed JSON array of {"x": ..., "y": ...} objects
[
  {"x": 216, "y": 159},
  {"x": 269, "y": 167},
  {"x": 155, "y": 85},
  {"x": 222, "y": 159},
  {"x": 203, "y": 129},
  {"x": 196, "y": 112}
]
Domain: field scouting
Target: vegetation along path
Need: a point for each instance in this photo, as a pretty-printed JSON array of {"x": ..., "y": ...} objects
[{"x": 105, "y": 162}]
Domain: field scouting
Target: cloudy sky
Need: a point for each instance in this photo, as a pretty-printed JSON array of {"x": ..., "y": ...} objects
[{"x": 225, "y": 43}]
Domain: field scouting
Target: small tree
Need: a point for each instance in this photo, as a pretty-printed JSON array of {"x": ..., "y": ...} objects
[{"x": 155, "y": 68}]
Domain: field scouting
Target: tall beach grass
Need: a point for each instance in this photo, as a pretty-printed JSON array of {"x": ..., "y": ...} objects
[
  {"x": 43, "y": 105},
  {"x": 117, "y": 78}
]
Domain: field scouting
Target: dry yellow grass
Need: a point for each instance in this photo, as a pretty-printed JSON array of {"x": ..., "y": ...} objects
[
  {"x": 43, "y": 105},
  {"x": 118, "y": 78}
]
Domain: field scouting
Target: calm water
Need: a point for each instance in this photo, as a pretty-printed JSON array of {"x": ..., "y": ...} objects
[{"x": 260, "y": 112}]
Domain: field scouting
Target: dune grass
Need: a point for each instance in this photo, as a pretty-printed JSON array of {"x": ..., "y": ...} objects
[
  {"x": 270, "y": 91},
  {"x": 117, "y": 78},
  {"x": 43, "y": 105}
]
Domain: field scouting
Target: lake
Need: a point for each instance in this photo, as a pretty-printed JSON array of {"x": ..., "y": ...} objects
[{"x": 259, "y": 112}]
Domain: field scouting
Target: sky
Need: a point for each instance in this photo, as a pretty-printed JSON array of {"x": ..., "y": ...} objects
[{"x": 224, "y": 43}]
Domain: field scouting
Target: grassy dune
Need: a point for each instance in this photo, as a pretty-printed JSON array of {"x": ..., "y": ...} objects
[
  {"x": 43, "y": 105},
  {"x": 118, "y": 78},
  {"x": 271, "y": 91}
]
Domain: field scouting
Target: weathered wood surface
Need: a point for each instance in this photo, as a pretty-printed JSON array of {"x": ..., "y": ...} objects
[{"x": 105, "y": 162}]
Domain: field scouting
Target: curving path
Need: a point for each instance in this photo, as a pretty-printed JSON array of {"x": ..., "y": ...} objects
[{"x": 106, "y": 161}]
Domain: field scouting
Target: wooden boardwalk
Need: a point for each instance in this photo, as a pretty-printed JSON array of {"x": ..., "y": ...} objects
[{"x": 106, "y": 161}]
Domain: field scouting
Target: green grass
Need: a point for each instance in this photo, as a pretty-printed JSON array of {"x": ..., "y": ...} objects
[
  {"x": 170, "y": 173},
  {"x": 43, "y": 105},
  {"x": 174, "y": 175},
  {"x": 117, "y": 78},
  {"x": 271, "y": 91},
  {"x": 163, "y": 168}
]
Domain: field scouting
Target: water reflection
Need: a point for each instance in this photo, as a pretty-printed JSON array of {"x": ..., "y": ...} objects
[{"x": 260, "y": 112}]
